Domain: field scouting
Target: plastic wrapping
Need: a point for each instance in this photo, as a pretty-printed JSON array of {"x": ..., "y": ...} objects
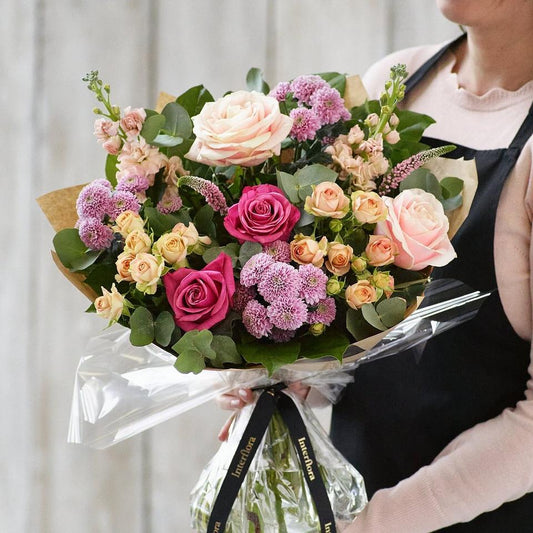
[{"x": 274, "y": 496}]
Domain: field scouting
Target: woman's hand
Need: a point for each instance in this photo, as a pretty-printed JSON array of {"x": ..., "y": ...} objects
[{"x": 237, "y": 399}]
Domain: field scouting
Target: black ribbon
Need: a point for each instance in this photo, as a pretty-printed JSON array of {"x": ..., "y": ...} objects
[{"x": 271, "y": 399}]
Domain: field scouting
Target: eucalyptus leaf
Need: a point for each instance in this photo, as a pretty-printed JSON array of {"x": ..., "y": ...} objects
[
  {"x": 451, "y": 187},
  {"x": 270, "y": 356},
  {"x": 391, "y": 311},
  {"x": 192, "y": 348},
  {"x": 312, "y": 175},
  {"x": 226, "y": 351},
  {"x": 163, "y": 328},
  {"x": 194, "y": 99},
  {"x": 142, "y": 327},
  {"x": 72, "y": 252},
  {"x": 335, "y": 80},
  {"x": 450, "y": 204},
  {"x": 289, "y": 185},
  {"x": 305, "y": 219},
  {"x": 249, "y": 249},
  {"x": 358, "y": 326},
  {"x": 255, "y": 81},
  {"x": 422, "y": 178},
  {"x": 189, "y": 361},
  {"x": 152, "y": 126},
  {"x": 166, "y": 141},
  {"x": 177, "y": 123},
  {"x": 231, "y": 250},
  {"x": 161, "y": 223},
  {"x": 372, "y": 317}
]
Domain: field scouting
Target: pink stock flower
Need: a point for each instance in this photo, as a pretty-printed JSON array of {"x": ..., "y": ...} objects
[
  {"x": 263, "y": 214},
  {"x": 417, "y": 225},
  {"x": 140, "y": 158},
  {"x": 132, "y": 121},
  {"x": 112, "y": 145},
  {"x": 201, "y": 298},
  {"x": 104, "y": 129}
]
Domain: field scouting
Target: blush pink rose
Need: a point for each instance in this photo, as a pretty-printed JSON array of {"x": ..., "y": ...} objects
[
  {"x": 243, "y": 128},
  {"x": 201, "y": 298},
  {"x": 417, "y": 225},
  {"x": 263, "y": 214}
]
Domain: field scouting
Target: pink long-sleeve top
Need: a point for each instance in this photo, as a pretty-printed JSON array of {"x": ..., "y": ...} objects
[{"x": 492, "y": 462}]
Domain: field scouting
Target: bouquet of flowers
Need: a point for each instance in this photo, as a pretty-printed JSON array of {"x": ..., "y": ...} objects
[{"x": 254, "y": 231}]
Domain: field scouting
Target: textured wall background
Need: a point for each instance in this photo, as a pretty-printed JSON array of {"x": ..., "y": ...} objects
[{"x": 140, "y": 47}]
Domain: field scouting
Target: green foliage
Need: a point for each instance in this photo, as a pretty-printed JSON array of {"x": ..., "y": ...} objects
[
  {"x": 194, "y": 99},
  {"x": 255, "y": 81},
  {"x": 177, "y": 123},
  {"x": 204, "y": 221},
  {"x": 163, "y": 328},
  {"x": 193, "y": 346},
  {"x": 452, "y": 193},
  {"x": 142, "y": 327},
  {"x": 231, "y": 250},
  {"x": 248, "y": 249},
  {"x": 332, "y": 343},
  {"x": 299, "y": 186},
  {"x": 161, "y": 223},
  {"x": 422, "y": 178},
  {"x": 271, "y": 356},
  {"x": 72, "y": 252},
  {"x": 101, "y": 275},
  {"x": 111, "y": 169},
  {"x": 358, "y": 326},
  {"x": 226, "y": 351},
  {"x": 412, "y": 125},
  {"x": 335, "y": 80},
  {"x": 385, "y": 314},
  {"x": 357, "y": 239},
  {"x": 152, "y": 126}
]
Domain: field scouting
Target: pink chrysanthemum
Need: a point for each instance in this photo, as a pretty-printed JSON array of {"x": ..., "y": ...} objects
[
  {"x": 279, "y": 92},
  {"x": 253, "y": 269},
  {"x": 303, "y": 87},
  {"x": 329, "y": 106},
  {"x": 281, "y": 335},
  {"x": 208, "y": 190},
  {"x": 133, "y": 183},
  {"x": 314, "y": 282},
  {"x": 94, "y": 234},
  {"x": 324, "y": 313},
  {"x": 92, "y": 201},
  {"x": 122, "y": 201},
  {"x": 103, "y": 183},
  {"x": 305, "y": 124},
  {"x": 279, "y": 280},
  {"x": 242, "y": 296},
  {"x": 255, "y": 320},
  {"x": 287, "y": 313},
  {"x": 170, "y": 202},
  {"x": 279, "y": 250}
]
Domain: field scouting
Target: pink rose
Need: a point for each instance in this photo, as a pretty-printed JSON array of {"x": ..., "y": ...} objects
[
  {"x": 263, "y": 214},
  {"x": 201, "y": 298},
  {"x": 380, "y": 250},
  {"x": 132, "y": 121},
  {"x": 416, "y": 223},
  {"x": 243, "y": 128}
]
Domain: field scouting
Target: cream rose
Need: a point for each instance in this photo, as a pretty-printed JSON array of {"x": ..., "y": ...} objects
[
  {"x": 127, "y": 222},
  {"x": 380, "y": 250},
  {"x": 172, "y": 247},
  {"x": 110, "y": 305},
  {"x": 307, "y": 251},
  {"x": 137, "y": 242},
  {"x": 190, "y": 234},
  {"x": 146, "y": 269},
  {"x": 243, "y": 128},
  {"x": 416, "y": 223},
  {"x": 327, "y": 200},
  {"x": 339, "y": 258},
  {"x": 123, "y": 266},
  {"x": 368, "y": 207},
  {"x": 361, "y": 293}
]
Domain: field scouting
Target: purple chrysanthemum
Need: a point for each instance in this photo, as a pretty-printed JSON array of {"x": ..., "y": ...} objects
[
  {"x": 122, "y": 201},
  {"x": 253, "y": 269},
  {"x": 103, "y": 182},
  {"x": 208, "y": 190},
  {"x": 94, "y": 234},
  {"x": 92, "y": 201},
  {"x": 303, "y": 87},
  {"x": 281, "y": 335},
  {"x": 314, "y": 281},
  {"x": 279, "y": 280},
  {"x": 255, "y": 320},
  {"x": 329, "y": 106},
  {"x": 288, "y": 313},
  {"x": 279, "y": 92},
  {"x": 241, "y": 297},
  {"x": 324, "y": 313},
  {"x": 170, "y": 202},
  {"x": 279, "y": 250},
  {"x": 133, "y": 183},
  {"x": 305, "y": 124}
]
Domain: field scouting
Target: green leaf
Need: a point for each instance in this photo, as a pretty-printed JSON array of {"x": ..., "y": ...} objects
[
  {"x": 271, "y": 356},
  {"x": 194, "y": 99},
  {"x": 289, "y": 185},
  {"x": 163, "y": 328},
  {"x": 422, "y": 178},
  {"x": 412, "y": 124},
  {"x": 305, "y": 219},
  {"x": 358, "y": 326},
  {"x": 372, "y": 317},
  {"x": 226, "y": 351},
  {"x": 248, "y": 249},
  {"x": 152, "y": 126},
  {"x": 161, "y": 223},
  {"x": 142, "y": 327},
  {"x": 72, "y": 252},
  {"x": 449, "y": 204},
  {"x": 312, "y": 175},
  {"x": 101, "y": 275},
  {"x": 177, "y": 123},
  {"x": 332, "y": 343},
  {"x": 166, "y": 141},
  {"x": 204, "y": 221},
  {"x": 111, "y": 169},
  {"x": 357, "y": 239},
  {"x": 255, "y": 82},
  {"x": 231, "y": 250},
  {"x": 451, "y": 187},
  {"x": 335, "y": 80},
  {"x": 192, "y": 348},
  {"x": 391, "y": 311}
]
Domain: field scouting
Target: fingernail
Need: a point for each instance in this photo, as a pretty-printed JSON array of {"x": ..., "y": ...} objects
[
  {"x": 243, "y": 393},
  {"x": 235, "y": 403}
]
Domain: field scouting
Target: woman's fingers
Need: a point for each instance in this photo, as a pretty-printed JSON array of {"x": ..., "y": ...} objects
[
  {"x": 236, "y": 399},
  {"x": 224, "y": 430},
  {"x": 300, "y": 389}
]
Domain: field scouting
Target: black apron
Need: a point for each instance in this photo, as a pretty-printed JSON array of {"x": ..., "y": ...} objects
[{"x": 401, "y": 411}]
